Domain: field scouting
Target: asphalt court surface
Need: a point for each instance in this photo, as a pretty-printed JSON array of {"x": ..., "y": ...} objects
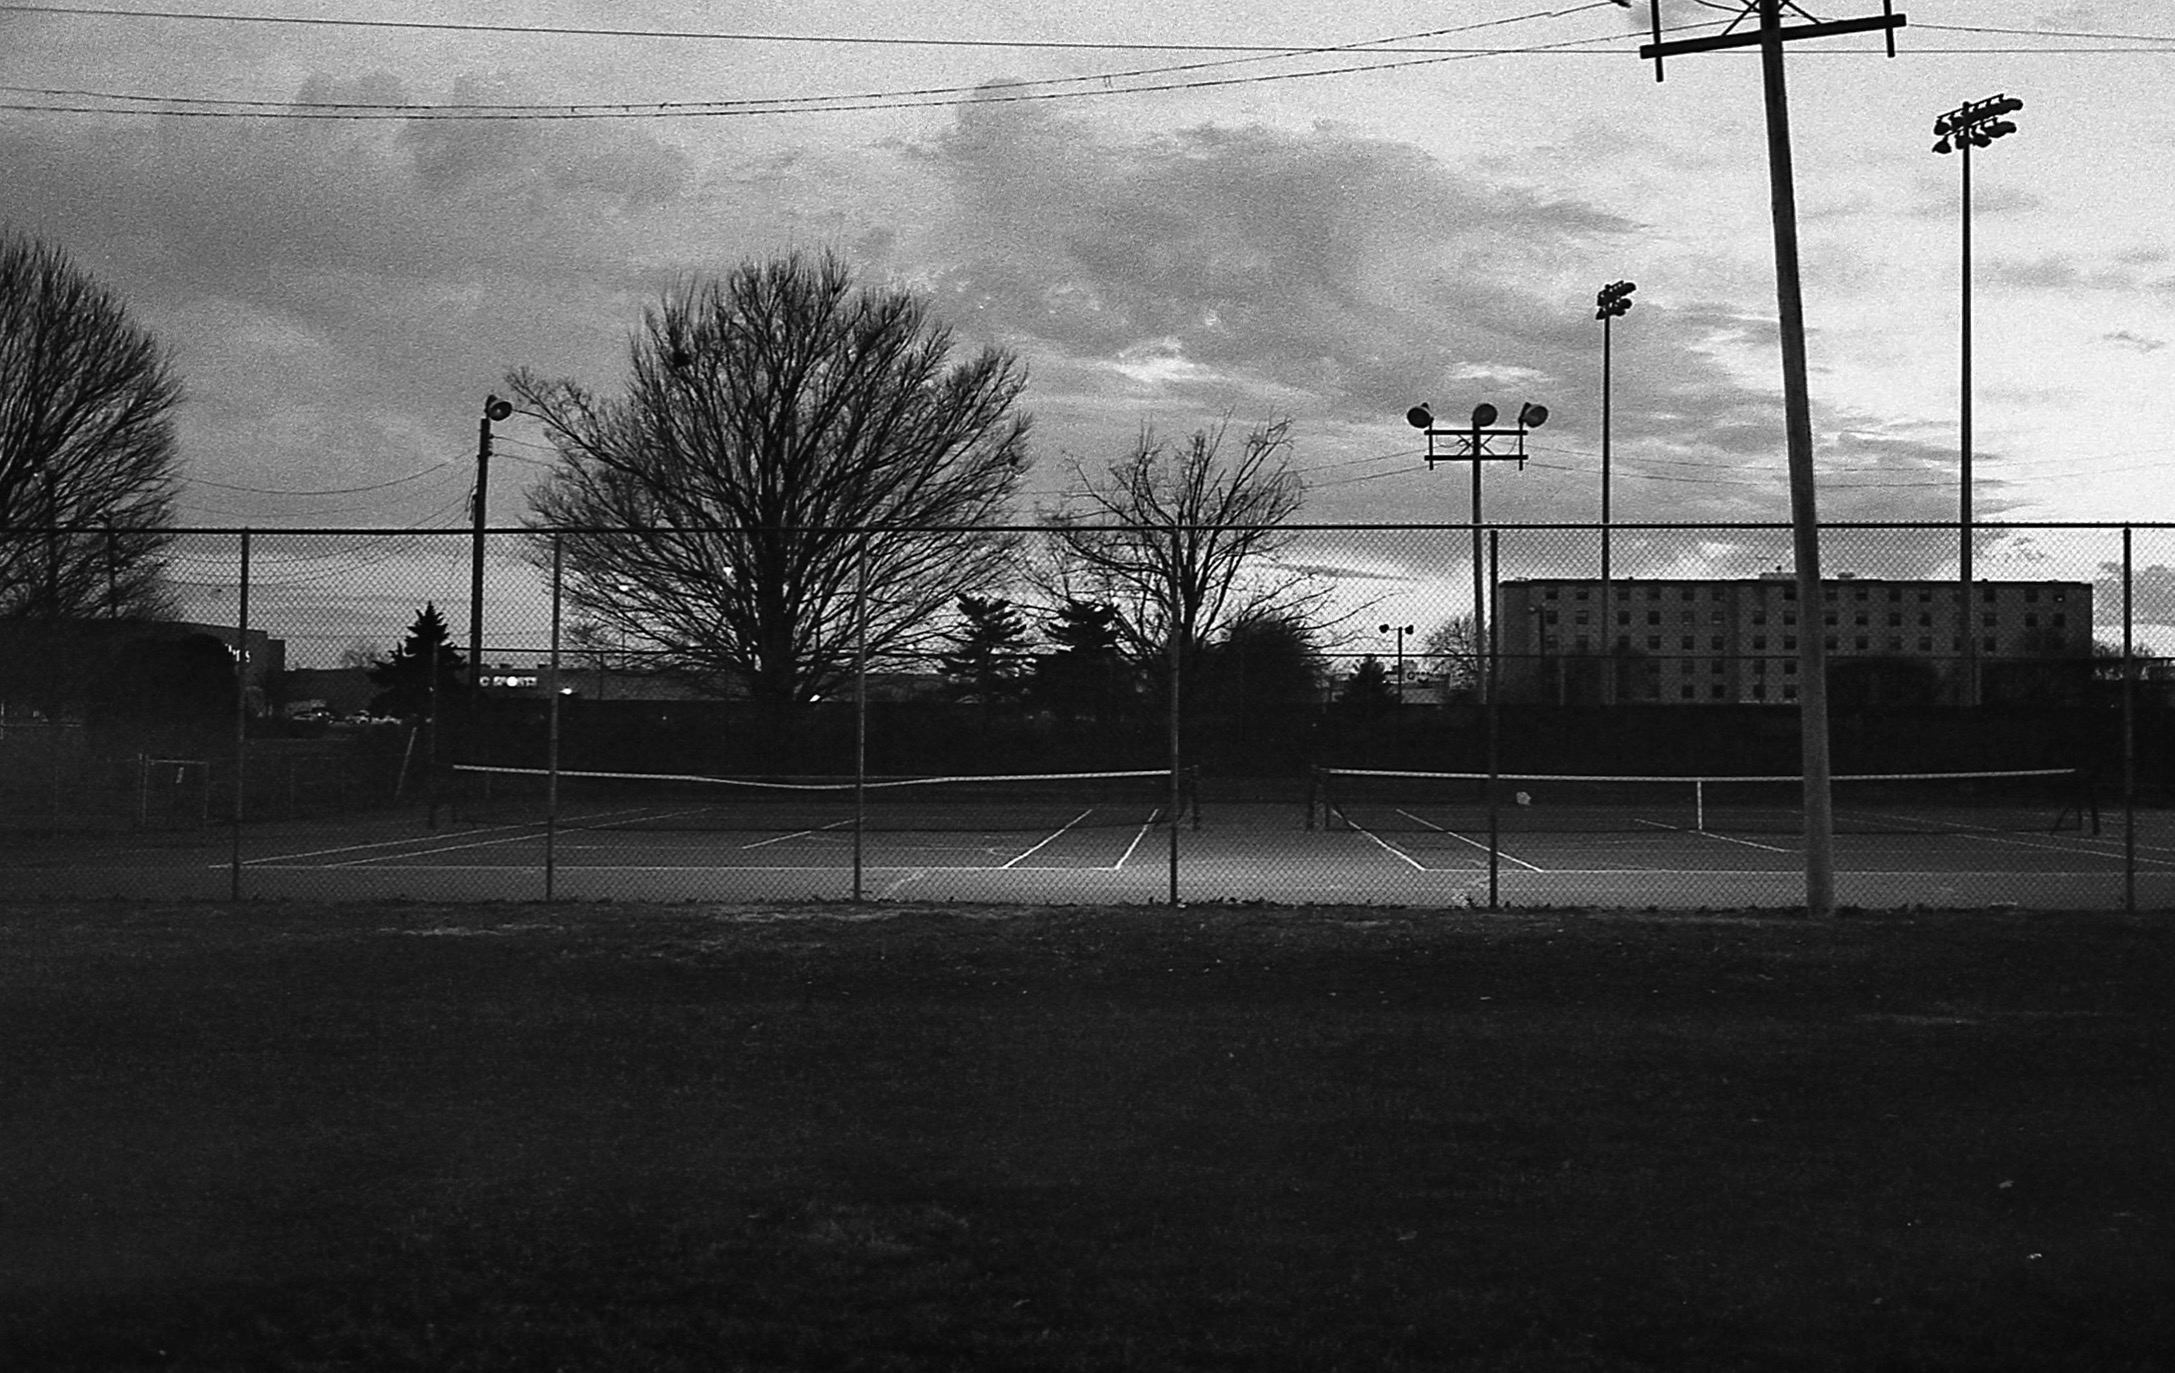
[{"x": 1243, "y": 852}]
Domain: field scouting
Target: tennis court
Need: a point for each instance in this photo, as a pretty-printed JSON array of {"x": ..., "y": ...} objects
[{"x": 1109, "y": 838}]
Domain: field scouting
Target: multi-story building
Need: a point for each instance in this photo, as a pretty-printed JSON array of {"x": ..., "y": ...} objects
[{"x": 1707, "y": 640}]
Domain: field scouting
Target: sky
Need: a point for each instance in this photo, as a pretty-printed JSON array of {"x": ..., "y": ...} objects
[{"x": 1172, "y": 214}]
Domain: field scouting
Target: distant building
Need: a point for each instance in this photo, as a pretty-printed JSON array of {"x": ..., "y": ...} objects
[{"x": 1695, "y": 641}]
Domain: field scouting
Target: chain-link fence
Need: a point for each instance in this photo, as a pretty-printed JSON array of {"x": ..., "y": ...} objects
[{"x": 1513, "y": 716}]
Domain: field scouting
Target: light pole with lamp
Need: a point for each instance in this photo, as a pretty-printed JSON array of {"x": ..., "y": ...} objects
[
  {"x": 1400, "y": 631},
  {"x": 1470, "y": 444},
  {"x": 1975, "y": 123},
  {"x": 1613, "y": 300}
]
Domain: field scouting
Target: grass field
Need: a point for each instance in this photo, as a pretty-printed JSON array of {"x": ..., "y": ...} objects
[{"x": 332, "y": 1137}]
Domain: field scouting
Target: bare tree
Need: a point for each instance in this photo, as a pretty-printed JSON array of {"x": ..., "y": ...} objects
[
  {"x": 1451, "y": 648},
  {"x": 86, "y": 444},
  {"x": 775, "y": 424},
  {"x": 1182, "y": 540}
]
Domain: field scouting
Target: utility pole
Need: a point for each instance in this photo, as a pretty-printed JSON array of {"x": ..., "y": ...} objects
[
  {"x": 1812, "y": 691},
  {"x": 493, "y": 409}
]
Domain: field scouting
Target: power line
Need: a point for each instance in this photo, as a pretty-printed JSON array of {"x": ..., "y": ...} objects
[{"x": 696, "y": 35}]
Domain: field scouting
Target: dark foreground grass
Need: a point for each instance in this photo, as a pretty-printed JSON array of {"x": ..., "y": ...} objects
[{"x": 339, "y": 1137}]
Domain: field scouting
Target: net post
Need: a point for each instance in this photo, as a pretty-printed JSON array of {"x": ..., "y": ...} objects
[
  {"x": 1314, "y": 787},
  {"x": 1699, "y": 804},
  {"x": 860, "y": 695}
]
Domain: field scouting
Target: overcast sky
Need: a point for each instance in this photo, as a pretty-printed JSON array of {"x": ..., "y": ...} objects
[{"x": 1165, "y": 234}]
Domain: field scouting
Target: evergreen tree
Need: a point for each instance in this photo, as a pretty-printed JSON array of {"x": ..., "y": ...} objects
[
  {"x": 1367, "y": 693},
  {"x": 405, "y": 679},
  {"x": 989, "y": 660},
  {"x": 1088, "y": 676}
]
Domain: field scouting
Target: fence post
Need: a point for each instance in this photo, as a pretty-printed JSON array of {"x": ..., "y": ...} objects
[
  {"x": 551, "y": 748},
  {"x": 241, "y": 722},
  {"x": 1176, "y": 630},
  {"x": 1495, "y": 728},
  {"x": 2129, "y": 740}
]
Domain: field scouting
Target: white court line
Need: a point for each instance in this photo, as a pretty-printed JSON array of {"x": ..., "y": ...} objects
[
  {"x": 1421, "y": 819},
  {"x": 1710, "y": 834},
  {"x": 1388, "y": 845},
  {"x": 1126, "y": 857},
  {"x": 1054, "y": 835},
  {"x": 797, "y": 834}
]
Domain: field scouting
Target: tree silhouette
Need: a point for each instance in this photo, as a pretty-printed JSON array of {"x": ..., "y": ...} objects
[
  {"x": 86, "y": 444},
  {"x": 424, "y": 661},
  {"x": 1087, "y": 676},
  {"x": 1181, "y": 540},
  {"x": 1367, "y": 692},
  {"x": 989, "y": 660},
  {"x": 777, "y": 423}
]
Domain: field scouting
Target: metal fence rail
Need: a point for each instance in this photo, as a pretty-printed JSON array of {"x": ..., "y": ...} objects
[{"x": 241, "y": 747}]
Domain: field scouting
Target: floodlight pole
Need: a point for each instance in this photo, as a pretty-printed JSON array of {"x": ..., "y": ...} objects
[
  {"x": 1614, "y": 299},
  {"x": 1470, "y": 444},
  {"x": 1797, "y": 407},
  {"x": 1974, "y": 122}
]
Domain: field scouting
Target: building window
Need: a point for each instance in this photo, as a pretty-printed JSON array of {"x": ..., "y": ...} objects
[
  {"x": 1759, "y": 641},
  {"x": 2031, "y": 593},
  {"x": 1550, "y": 593},
  {"x": 1623, "y": 617},
  {"x": 1894, "y": 619},
  {"x": 1989, "y": 619},
  {"x": 1689, "y": 593},
  {"x": 1989, "y": 643},
  {"x": 1581, "y": 617},
  {"x": 1925, "y": 644},
  {"x": 1862, "y": 643},
  {"x": 1759, "y": 617},
  {"x": 1653, "y": 617},
  {"x": 1685, "y": 691},
  {"x": 1653, "y": 641},
  {"x": 1925, "y": 598},
  {"x": 1895, "y": 643},
  {"x": 1581, "y": 595},
  {"x": 1924, "y": 619},
  {"x": 1789, "y": 643},
  {"x": 1789, "y": 669},
  {"x": 1831, "y": 641},
  {"x": 1714, "y": 669},
  {"x": 1759, "y": 691},
  {"x": 2030, "y": 622},
  {"x": 2061, "y": 620},
  {"x": 1789, "y": 693},
  {"x": 1986, "y": 593},
  {"x": 1759, "y": 667},
  {"x": 1714, "y": 617},
  {"x": 1687, "y": 641},
  {"x": 1548, "y": 617},
  {"x": 1789, "y": 619},
  {"x": 1715, "y": 643}
]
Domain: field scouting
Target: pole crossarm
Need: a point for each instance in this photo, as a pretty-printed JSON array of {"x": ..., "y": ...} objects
[
  {"x": 1887, "y": 22},
  {"x": 1471, "y": 445}
]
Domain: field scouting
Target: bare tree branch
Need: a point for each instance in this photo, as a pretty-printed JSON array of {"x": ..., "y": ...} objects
[
  {"x": 774, "y": 421},
  {"x": 1182, "y": 541},
  {"x": 86, "y": 444}
]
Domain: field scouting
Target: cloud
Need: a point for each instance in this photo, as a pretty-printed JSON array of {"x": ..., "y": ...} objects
[{"x": 2143, "y": 343}]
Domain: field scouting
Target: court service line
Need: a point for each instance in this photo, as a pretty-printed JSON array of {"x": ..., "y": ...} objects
[
  {"x": 1389, "y": 846},
  {"x": 1529, "y": 867},
  {"x": 1710, "y": 834},
  {"x": 797, "y": 834},
  {"x": 1053, "y": 837}
]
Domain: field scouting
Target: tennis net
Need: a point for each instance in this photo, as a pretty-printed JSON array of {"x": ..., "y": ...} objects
[
  {"x": 784, "y": 805},
  {"x": 2028, "y": 800}
]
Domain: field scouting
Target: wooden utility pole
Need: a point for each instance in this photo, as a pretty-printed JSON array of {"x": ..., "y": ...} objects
[{"x": 1812, "y": 689}]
